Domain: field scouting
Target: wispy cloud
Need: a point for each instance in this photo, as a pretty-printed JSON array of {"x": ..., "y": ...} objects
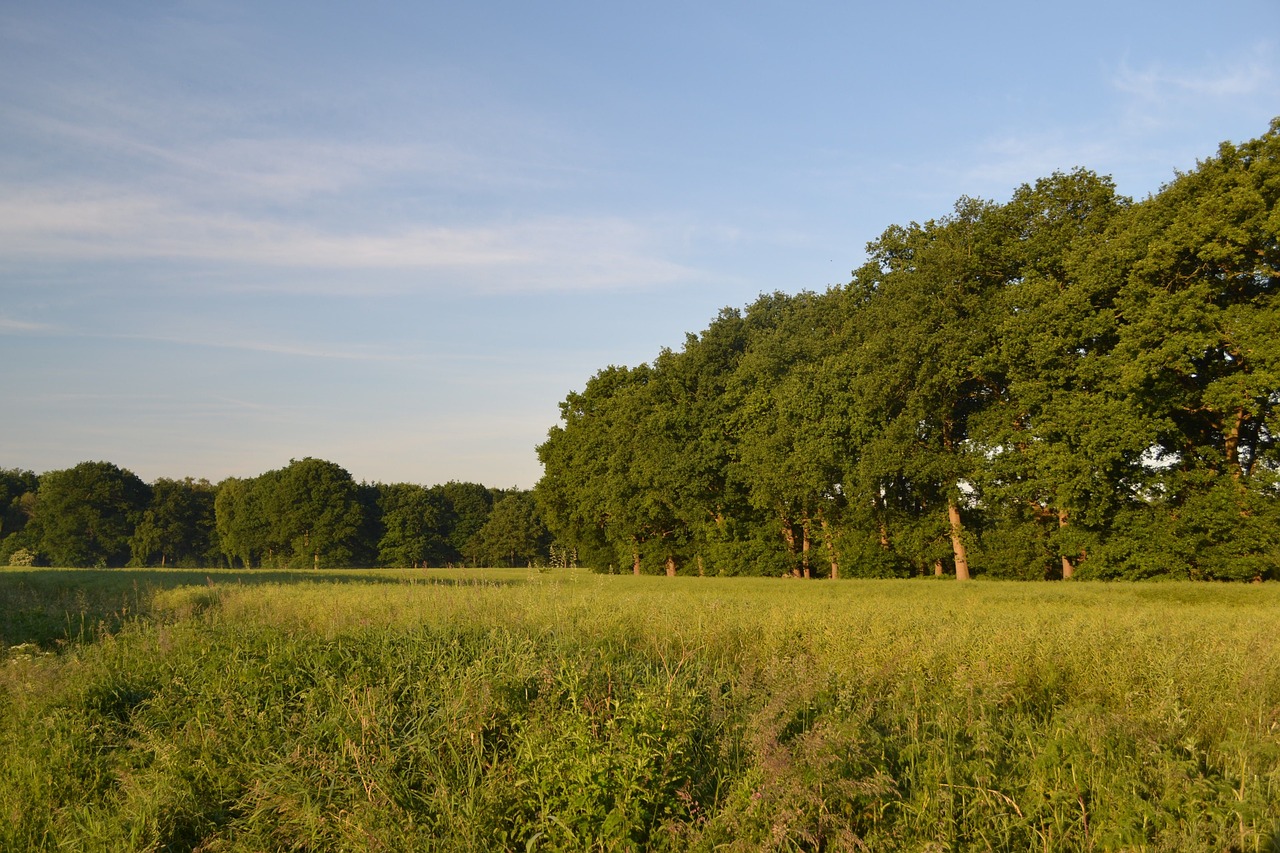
[
  {"x": 1134, "y": 142},
  {"x": 9, "y": 325},
  {"x": 129, "y": 182},
  {"x": 360, "y": 354},
  {"x": 154, "y": 150},
  {"x": 1238, "y": 75},
  {"x": 548, "y": 253},
  {"x": 1161, "y": 96},
  {"x": 1012, "y": 160}
]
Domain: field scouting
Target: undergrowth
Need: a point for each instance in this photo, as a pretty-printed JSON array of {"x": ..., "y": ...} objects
[{"x": 524, "y": 711}]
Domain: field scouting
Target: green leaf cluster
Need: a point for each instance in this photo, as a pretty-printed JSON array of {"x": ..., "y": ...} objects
[
  {"x": 1067, "y": 383},
  {"x": 309, "y": 514}
]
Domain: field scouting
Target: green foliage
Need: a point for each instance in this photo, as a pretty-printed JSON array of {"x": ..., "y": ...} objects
[
  {"x": 84, "y": 516},
  {"x": 1065, "y": 381},
  {"x": 466, "y": 509},
  {"x": 178, "y": 526},
  {"x": 17, "y": 499},
  {"x": 309, "y": 514},
  {"x": 312, "y": 514},
  {"x": 242, "y": 522},
  {"x": 514, "y": 534},
  {"x": 412, "y": 526},
  {"x": 316, "y": 514}
]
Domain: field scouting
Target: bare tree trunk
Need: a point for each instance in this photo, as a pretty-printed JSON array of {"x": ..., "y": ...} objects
[
  {"x": 937, "y": 568},
  {"x": 1231, "y": 440},
  {"x": 953, "y": 516},
  {"x": 878, "y": 503},
  {"x": 831, "y": 547},
  {"x": 671, "y": 566},
  {"x": 804, "y": 560},
  {"x": 635, "y": 561},
  {"x": 957, "y": 543},
  {"x": 1068, "y": 569},
  {"x": 790, "y": 536}
]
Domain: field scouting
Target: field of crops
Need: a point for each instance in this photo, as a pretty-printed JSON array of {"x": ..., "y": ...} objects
[{"x": 495, "y": 710}]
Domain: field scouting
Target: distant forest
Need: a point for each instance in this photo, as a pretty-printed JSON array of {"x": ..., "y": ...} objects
[
  {"x": 309, "y": 514},
  {"x": 1067, "y": 384}
]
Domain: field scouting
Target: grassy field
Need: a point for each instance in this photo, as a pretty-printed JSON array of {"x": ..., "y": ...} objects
[{"x": 513, "y": 710}]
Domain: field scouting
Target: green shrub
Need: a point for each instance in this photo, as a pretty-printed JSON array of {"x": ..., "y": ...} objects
[{"x": 515, "y": 710}]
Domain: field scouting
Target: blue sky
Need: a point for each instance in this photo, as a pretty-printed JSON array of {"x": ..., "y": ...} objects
[{"x": 395, "y": 235}]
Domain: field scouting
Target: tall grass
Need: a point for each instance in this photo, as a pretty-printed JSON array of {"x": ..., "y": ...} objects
[{"x": 513, "y": 710}]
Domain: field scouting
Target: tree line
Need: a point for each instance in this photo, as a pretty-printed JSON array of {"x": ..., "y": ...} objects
[
  {"x": 308, "y": 514},
  {"x": 1066, "y": 384}
]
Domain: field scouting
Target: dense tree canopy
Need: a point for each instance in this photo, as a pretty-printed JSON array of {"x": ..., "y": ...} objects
[
  {"x": 17, "y": 500},
  {"x": 309, "y": 514},
  {"x": 1068, "y": 383},
  {"x": 412, "y": 521},
  {"x": 177, "y": 527},
  {"x": 85, "y": 516},
  {"x": 514, "y": 533}
]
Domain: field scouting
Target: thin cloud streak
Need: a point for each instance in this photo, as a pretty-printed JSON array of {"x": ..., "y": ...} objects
[
  {"x": 1011, "y": 161},
  {"x": 283, "y": 169},
  {"x": 9, "y": 325},
  {"x": 1158, "y": 98},
  {"x": 565, "y": 366},
  {"x": 174, "y": 194},
  {"x": 146, "y": 182},
  {"x": 550, "y": 254},
  {"x": 1136, "y": 140},
  {"x": 273, "y": 348},
  {"x": 1252, "y": 74}
]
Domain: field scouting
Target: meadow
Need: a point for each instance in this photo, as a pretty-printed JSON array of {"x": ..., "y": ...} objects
[{"x": 519, "y": 710}]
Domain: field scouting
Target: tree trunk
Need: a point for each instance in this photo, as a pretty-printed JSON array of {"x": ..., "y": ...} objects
[
  {"x": 957, "y": 543},
  {"x": 1068, "y": 569},
  {"x": 671, "y": 566},
  {"x": 878, "y": 503},
  {"x": 1231, "y": 440},
  {"x": 831, "y": 546},
  {"x": 804, "y": 559},
  {"x": 635, "y": 561},
  {"x": 937, "y": 568},
  {"x": 789, "y": 535}
]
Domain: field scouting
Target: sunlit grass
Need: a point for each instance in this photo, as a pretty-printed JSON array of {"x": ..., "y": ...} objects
[{"x": 481, "y": 709}]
